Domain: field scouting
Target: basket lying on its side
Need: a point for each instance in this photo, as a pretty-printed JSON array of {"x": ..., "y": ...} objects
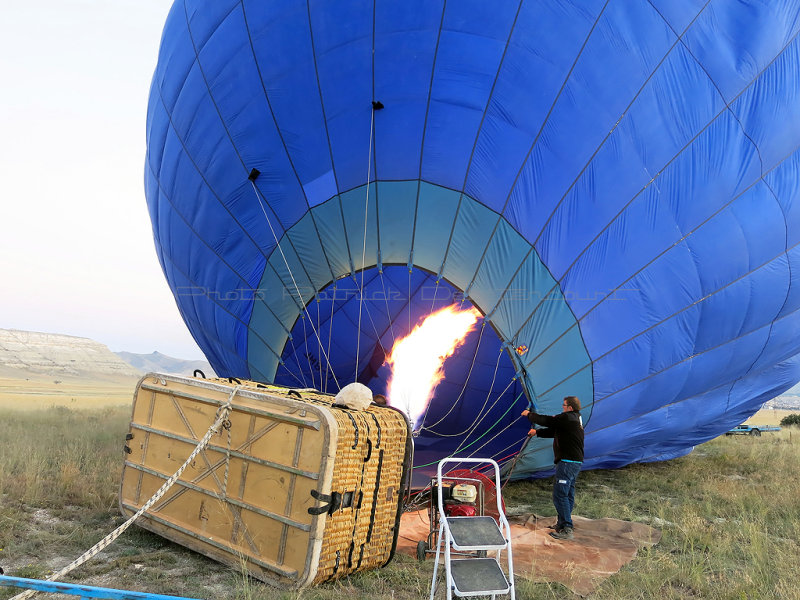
[{"x": 294, "y": 488}]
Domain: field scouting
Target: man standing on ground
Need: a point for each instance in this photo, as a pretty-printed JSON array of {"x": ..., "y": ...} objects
[{"x": 566, "y": 430}]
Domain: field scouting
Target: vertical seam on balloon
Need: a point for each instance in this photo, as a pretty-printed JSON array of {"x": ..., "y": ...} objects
[
  {"x": 639, "y": 416},
  {"x": 205, "y": 243},
  {"x": 472, "y": 156},
  {"x": 236, "y": 150},
  {"x": 219, "y": 200},
  {"x": 536, "y": 139},
  {"x": 616, "y": 125},
  {"x": 319, "y": 328},
  {"x": 374, "y": 134},
  {"x": 519, "y": 172},
  {"x": 208, "y": 184},
  {"x": 328, "y": 135},
  {"x": 305, "y": 343},
  {"x": 686, "y": 235},
  {"x": 364, "y": 243},
  {"x": 155, "y": 86},
  {"x": 624, "y": 112},
  {"x": 704, "y": 298},
  {"x": 208, "y": 89},
  {"x": 785, "y": 300},
  {"x": 720, "y": 210},
  {"x": 772, "y": 192},
  {"x": 278, "y": 129},
  {"x": 555, "y": 101},
  {"x": 424, "y": 131},
  {"x": 374, "y": 151},
  {"x": 658, "y": 174},
  {"x": 330, "y": 335},
  {"x": 175, "y": 266}
]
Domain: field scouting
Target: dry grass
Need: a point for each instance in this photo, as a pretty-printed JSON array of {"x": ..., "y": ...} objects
[
  {"x": 770, "y": 416},
  {"x": 729, "y": 512},
  {"x": 20, "y": 392}
]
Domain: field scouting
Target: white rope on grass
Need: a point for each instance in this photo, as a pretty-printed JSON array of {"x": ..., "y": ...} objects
[{"x": 221, "y": 417}]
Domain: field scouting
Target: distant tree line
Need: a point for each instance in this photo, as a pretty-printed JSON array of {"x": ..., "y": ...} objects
[{"x": 792, "y": 419}]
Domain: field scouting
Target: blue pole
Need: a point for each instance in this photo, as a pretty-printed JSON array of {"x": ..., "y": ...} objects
[{"x": 84, "y": 591}]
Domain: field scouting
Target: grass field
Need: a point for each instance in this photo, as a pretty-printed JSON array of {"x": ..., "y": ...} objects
[
  {"x": 37, "y": 391},
  {"x": 769, "y": 416},
  {"x": 729, "y": 512}
]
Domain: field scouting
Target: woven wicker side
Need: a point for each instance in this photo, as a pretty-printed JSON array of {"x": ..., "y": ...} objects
[{"x": 361, "y": 537}]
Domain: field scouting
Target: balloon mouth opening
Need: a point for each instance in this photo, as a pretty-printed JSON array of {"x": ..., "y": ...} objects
[{"x": 473, "y": 409}]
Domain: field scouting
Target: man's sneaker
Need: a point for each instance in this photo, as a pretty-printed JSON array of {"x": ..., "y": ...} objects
[{"x": 563, "y": 534}]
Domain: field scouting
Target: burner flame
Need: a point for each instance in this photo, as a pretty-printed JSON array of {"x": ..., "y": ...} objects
[{"x": 417, "y": 360}]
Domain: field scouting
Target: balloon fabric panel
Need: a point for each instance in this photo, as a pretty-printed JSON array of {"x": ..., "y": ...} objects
[{"x": 611, "y": 185}]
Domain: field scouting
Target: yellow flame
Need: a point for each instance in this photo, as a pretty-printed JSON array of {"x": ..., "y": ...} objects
[{"x": 417, "y": 360}]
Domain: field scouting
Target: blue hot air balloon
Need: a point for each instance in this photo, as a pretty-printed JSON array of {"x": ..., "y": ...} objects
[{"x": 613, "y": 184}]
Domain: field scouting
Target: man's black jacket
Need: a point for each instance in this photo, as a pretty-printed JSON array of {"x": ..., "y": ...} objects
[{"x": 567, "y": 433}]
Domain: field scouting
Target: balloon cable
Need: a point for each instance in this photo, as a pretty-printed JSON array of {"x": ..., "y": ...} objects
[
  {"x": 294, "y": 282},
  {"x": 429, "y": 427},
  {"x": 330, "y": 336},
  {"x": 364, "y": 245}
]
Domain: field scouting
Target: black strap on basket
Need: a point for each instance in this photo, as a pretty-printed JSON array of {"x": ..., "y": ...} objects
[
  {"x": 334, "y": 502},
  {"x": 375, "y": 496},
  {"x": 196, "y": 371}
]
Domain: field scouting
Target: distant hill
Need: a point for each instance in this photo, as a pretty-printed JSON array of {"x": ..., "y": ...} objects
[
  {"x": 32, "y": 352},
  {"x": 161, "y": 363}
]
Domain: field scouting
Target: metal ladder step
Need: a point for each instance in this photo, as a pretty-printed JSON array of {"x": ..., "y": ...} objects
[
  {"x": 478, "y": 577},
  {"x": 475, "y": 533}
]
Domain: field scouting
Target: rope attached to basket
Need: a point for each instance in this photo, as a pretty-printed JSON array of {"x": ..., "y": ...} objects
[{"x": 221, "y": 416}]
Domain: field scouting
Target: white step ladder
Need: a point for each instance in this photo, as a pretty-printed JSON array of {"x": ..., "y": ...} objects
[{"x": 474, "y": 576}]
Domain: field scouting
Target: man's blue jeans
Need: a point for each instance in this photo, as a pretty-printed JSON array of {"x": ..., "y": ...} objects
[{"x": 564, "y": 491}]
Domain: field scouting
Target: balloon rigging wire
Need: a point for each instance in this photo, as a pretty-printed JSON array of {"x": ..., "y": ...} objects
[
  {"x": 299, "y": 368},
  {"x": 364, "y": 245},
  {"x": 476, "y": 440},
  {"x": 307, "y": 353},
  {"x": 289, "y": 269},
  {"x": 318, "y": 329},
  {"x": 461, "y": 393},
  {"x": 388, "y": 312},
  {"x": 409, "y": 301},
  {"x": 330, "y": 336},
  {"x": 472, "y": 428}
]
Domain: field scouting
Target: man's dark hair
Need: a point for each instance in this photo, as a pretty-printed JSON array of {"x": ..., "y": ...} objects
[{"x": 573, "y": 402}]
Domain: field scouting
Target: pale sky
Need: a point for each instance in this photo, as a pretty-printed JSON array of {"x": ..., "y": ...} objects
[{"x": 76, "y": 245}]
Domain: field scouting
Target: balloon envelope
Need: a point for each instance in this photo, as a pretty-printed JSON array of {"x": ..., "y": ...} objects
[{"x": 613, "y": 185}]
